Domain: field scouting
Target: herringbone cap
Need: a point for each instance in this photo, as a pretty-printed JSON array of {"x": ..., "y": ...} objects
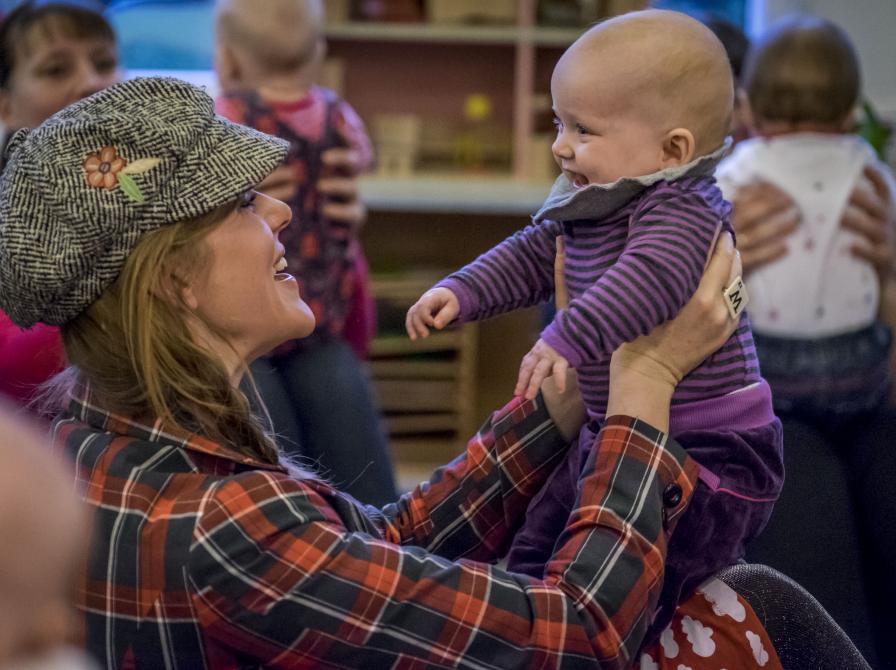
[{"x": 79, "y": 191}]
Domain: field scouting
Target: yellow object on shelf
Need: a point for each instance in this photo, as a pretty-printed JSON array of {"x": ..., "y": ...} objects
[{"x": 471, "y": 11}]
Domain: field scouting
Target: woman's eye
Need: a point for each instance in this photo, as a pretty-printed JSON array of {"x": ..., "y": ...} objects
[
  {"x": 105, "y": 65},
  {"x": 247, "y": 199},
  {"x": 54, "y": 71}
]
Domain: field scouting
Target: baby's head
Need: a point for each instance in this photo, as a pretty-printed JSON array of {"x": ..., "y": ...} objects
[
  {"x": 261, "y": 41},
  {"x": 640, "y": 93},
  {"x": 45, "y": 532},
  {"x": 802, "y": 75}
]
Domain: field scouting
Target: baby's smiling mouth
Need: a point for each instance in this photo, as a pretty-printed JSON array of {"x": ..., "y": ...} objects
[{"x": 578, "y": 180}]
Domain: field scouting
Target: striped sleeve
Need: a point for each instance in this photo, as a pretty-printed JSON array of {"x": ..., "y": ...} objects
[
  {"x": 280, "y": 577},
  {"x": 670, "y": 236},
  {"x": 519, "y": 272}
]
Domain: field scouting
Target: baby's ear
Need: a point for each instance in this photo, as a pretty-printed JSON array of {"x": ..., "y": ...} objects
[
  {"x": 679, "y": 147},
  {"x": 227, "y": 67},
  {"x": 745, "y": 111}
]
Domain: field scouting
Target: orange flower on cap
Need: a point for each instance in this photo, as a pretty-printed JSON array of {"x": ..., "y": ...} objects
[
  {"x": 106, "y": 169},
  {"x": 103, "y": 167}
]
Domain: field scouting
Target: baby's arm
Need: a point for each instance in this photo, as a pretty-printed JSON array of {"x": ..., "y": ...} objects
[
  {"x": 670, "y": 237},
  {"x": 516, "y": 273}
]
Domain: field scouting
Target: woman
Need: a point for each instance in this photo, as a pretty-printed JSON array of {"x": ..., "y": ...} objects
[
  {"x": 53, "y": 53},
  {"x": 165, "y": 273}
]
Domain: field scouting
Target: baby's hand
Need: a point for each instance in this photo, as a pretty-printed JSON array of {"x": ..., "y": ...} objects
[
  {"x": 437, "y": 308},
  {"x": 541, "y": 362}
]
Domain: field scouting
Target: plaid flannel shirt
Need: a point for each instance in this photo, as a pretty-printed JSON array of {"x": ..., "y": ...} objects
[{"x": 203, "y": 558}]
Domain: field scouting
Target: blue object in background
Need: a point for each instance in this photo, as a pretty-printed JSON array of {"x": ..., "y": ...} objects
[
  {"x": 164, "y": 33},
  {"x": 731, "y": 10},
  {"x": 179, "y": 34}
]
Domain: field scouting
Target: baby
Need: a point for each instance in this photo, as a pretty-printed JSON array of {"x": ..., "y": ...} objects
[
  {"x": 267, "y": 57},
  {"x": 815, "y": 309},
  {"x": 643, "y": 105}
]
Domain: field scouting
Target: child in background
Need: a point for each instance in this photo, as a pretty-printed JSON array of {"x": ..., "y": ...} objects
[
  {"x": 815, "y": 310},
  {"x": 643, "y": 105},
  {"x": 267, "y": 58}
]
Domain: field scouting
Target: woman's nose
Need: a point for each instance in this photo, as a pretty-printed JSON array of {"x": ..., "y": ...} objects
[{"x": 278, "y": 214}]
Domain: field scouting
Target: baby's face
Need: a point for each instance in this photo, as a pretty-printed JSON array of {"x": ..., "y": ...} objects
[{"x": 601, "y": 135}]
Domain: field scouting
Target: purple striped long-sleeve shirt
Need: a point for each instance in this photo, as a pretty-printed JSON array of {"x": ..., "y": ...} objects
[{"x": 625, "y": 274}]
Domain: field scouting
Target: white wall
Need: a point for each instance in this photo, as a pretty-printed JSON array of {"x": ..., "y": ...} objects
[{"x": 872, "y": 26}]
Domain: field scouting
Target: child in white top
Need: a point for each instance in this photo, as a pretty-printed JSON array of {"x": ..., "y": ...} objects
[{"x": 813, "y": 310}]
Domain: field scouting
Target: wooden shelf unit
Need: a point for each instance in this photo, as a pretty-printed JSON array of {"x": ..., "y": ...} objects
[
  {"x": 386, "y": 65},
  {"x": 426, "y": 387}
]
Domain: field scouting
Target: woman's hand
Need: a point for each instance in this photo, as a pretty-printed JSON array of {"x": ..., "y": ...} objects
[
  {"x": 871, "y": 213},
  {"x": 763, "y": 216},
  {"x": 645, "y": 372},
  {"x": 342, "y": 202}
]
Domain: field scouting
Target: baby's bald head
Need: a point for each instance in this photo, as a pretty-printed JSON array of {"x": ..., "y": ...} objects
[
  {"x": 274, "y": 36},
  {"x": 661, "y": 64}
]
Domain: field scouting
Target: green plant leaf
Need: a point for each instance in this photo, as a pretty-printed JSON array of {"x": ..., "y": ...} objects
[
  {"x": 876, "y": 132},
  {"x": 130, "y": 188}
]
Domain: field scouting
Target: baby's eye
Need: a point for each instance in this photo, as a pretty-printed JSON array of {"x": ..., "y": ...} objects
[
  {"x": 582, "y": 130},
  {"x": 558, "y": 124}
]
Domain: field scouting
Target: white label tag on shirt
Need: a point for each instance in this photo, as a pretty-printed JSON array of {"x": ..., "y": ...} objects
[{"x": 736, "y": 297}]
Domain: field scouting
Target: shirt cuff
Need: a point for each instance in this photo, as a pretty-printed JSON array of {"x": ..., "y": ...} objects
[
  {"x": 469, "y": 301},
  {"x": 552, "y": 336},
  {"x": 677, "y": 471}
]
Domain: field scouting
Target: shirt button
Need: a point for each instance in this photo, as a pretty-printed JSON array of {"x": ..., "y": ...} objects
[{"x": 672, "y": 495}]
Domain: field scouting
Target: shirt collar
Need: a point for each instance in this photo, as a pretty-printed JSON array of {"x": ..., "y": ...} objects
[
  {"x": 83, "y": 409},
  {"x": 567, "y": 202}
]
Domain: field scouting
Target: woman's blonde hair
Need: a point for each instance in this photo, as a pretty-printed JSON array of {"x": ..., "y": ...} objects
[{"x": 134, "y": 349}]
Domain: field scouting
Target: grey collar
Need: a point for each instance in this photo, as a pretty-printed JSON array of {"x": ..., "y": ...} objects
[{"x": 566, "y": 202}]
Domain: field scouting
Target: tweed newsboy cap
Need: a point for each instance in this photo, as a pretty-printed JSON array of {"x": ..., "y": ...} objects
[{"x": 79, "y": 191}]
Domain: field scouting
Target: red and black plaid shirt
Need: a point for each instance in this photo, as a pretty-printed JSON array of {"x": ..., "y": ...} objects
[{"x": 203, "y": 558}]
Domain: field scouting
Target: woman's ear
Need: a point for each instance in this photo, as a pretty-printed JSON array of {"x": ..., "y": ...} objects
[
  {"x": 679, "y": 147},
  {"x": 174, "y": 290},
  {"x": 188, "y": 297}
]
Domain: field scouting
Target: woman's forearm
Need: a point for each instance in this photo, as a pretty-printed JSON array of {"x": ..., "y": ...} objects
[{"x": 633, "y": 393}]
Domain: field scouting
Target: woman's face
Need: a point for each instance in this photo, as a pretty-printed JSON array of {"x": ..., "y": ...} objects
[
  {"x": 243, "y": 294},
  {"x": 52, "y": 70}
]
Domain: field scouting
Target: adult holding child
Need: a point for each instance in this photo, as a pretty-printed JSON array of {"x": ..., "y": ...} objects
[
  {"x": 206, "y": 551},
  {"x": 53, "y": 53},
  {"x": 816, "y": 224}
]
